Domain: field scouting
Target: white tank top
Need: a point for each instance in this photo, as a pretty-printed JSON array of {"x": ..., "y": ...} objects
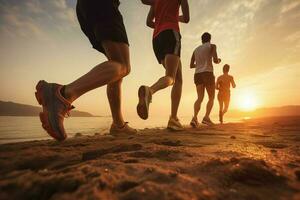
[{"x": 203, "y": 58}]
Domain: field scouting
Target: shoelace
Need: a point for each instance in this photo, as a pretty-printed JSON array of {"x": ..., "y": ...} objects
[
  {"x": 68, "y": 114},
  {"x": 123, "y": 125}
]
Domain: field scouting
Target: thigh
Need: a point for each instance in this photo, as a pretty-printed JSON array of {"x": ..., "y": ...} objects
[
  {"x": 227, "y": 101},
  {"x": 210, "y": 89},
  {"x": 179, "y": 72},
  {"x": 171, "y": 63},
  {"x": 200, "y": 91},
  {"x": 221, "y": 104},
  {"x": 116, "y": 51},
  {"x": 209, "y": 82}
]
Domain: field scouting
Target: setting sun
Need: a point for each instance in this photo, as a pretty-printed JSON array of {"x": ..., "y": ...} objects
[{"x": 247, "y": 101}]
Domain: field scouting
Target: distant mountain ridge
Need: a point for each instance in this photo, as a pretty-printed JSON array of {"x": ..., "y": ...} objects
[
  {"x": 17, "y": 109},
  {"x": 291, "y": 110}
]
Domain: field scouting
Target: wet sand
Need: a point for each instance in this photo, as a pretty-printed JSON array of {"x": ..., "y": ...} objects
[{"x": 258, "y": 159}]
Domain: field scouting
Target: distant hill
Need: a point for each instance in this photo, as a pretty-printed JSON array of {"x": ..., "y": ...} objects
[
  {"x": 267, "y": 112},
  {"x": 16, "y": 109}
]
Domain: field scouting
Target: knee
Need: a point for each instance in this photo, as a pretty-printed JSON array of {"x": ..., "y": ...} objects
[
  {"x": 128, "y": 69},
  {"x": 199, "y": 100},
  {"x": 124, "y": 69},
  {"x": 178, "y": 80},
  {"x": 170, "y": 80}
]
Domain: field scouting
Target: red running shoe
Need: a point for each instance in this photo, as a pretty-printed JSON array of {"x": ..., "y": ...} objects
[{"x": 55, "y": 108}]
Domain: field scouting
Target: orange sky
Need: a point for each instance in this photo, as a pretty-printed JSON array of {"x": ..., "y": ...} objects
[{"x": 259, "y": 39}]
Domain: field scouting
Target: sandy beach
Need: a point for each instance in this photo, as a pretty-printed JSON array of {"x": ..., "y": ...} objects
[{"x": 257, "y": 159}]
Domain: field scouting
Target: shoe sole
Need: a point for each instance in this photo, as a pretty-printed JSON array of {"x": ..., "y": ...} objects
[
  {"x": 175, "y": 129},
  {"x": 142, "y": 109},
  {"x": 207, "y": 123},
  {"x": 41, "y": 95},
  {"x": 193, "y": 125}
]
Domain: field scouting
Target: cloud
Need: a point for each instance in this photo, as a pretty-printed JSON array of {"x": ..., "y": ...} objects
[
  {"x": 59, "y": 3},
  {"x": 34, "y": 18},
  {"x": 20, "y": 25},
  {"x": 254, "y": 36},
  {"x": 289, "y": 5}
]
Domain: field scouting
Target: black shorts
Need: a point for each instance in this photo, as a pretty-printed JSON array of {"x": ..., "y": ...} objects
[
  {"x": 205, "y": 78},
  {"x": 167, "y": 42},
  {"x": 101, "y": 20}
]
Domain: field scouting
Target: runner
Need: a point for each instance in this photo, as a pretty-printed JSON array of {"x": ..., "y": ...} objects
[
  {"x": 204, "y": 78},
  {"x": 164, "y": 18},
  {"x": 223, "y": 85},
  {"x": 102, "y": 23}
]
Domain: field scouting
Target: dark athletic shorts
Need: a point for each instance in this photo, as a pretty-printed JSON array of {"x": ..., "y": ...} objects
[
  {"x": 167, "y": 42},
  {"x": 101, "y": 20},
  {"x": 224, "y": 96},
  {"x": 205, "y": 78}
]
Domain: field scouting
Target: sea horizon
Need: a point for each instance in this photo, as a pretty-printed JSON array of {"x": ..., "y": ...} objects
[{"x": 28, "y": 128}]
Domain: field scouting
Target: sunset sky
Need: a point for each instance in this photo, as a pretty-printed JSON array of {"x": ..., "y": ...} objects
[{"x": 260, "y": 39}]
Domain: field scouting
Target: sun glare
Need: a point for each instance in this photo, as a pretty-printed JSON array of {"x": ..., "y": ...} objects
[{"x": 247, "y": 101}]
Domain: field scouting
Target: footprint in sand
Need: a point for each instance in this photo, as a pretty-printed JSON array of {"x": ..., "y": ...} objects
[
  {"x": 164, "y": 155},
  {"x": 90, "y": 155},
  {"x": 255, "y": 172},
  {"x": 166, "y": 142},
  {"x": 37, "y": 162},
  {"x": 273, "y": 145},
  {"x": 126, "y": 185}
]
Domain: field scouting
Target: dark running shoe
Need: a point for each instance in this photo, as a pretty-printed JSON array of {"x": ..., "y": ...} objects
[
  {"x": 55, "y": 108},
  {"x": 145, "y": 97},
  {"x": 207, "y": 121},
  {"x": 194, "y": 123},
  {"x": 126, "y": 129}
]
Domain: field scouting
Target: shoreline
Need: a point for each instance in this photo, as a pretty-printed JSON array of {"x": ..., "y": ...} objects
[{"x": 258, "y": 159}]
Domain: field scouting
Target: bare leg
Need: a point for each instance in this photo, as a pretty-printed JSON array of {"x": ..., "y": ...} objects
[
  {"x": 170, "y": 63},
  {"x": 197, "y": 104},
  {"x": 114, "y": 95},
  {"x": 110, "y": 71},
  {"x": 226, "y": 105},
  {"x": 114, "y": 90},
  {"x": 220, "y": 110},
  {"x": 176, "y": 92},
  {"x": 211, "y": 97}
]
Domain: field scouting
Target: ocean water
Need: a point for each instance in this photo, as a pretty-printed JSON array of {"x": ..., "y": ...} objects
[{"x": 19, "y": 129}]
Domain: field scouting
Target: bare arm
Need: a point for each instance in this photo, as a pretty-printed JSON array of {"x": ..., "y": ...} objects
[
  {"x": 148, "y": 2},
  {"x": 185, "y": 17},
  {"x": 192, "y": 64},
  {"x": 150, "y": 18},
  {"x": 233, "y": 83},
  {"x": 216, "y": 59}
]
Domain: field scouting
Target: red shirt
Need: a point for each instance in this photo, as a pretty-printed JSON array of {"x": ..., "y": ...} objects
[{"x": 166, "y": 14}]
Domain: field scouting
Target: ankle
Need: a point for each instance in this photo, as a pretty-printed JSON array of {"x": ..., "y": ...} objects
[
  {"x": 151, "y": 91},
  {"x": 67, "y": 94},
  {"x": 174, "y": 117},
  {"x": 119, "y": 124}
]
